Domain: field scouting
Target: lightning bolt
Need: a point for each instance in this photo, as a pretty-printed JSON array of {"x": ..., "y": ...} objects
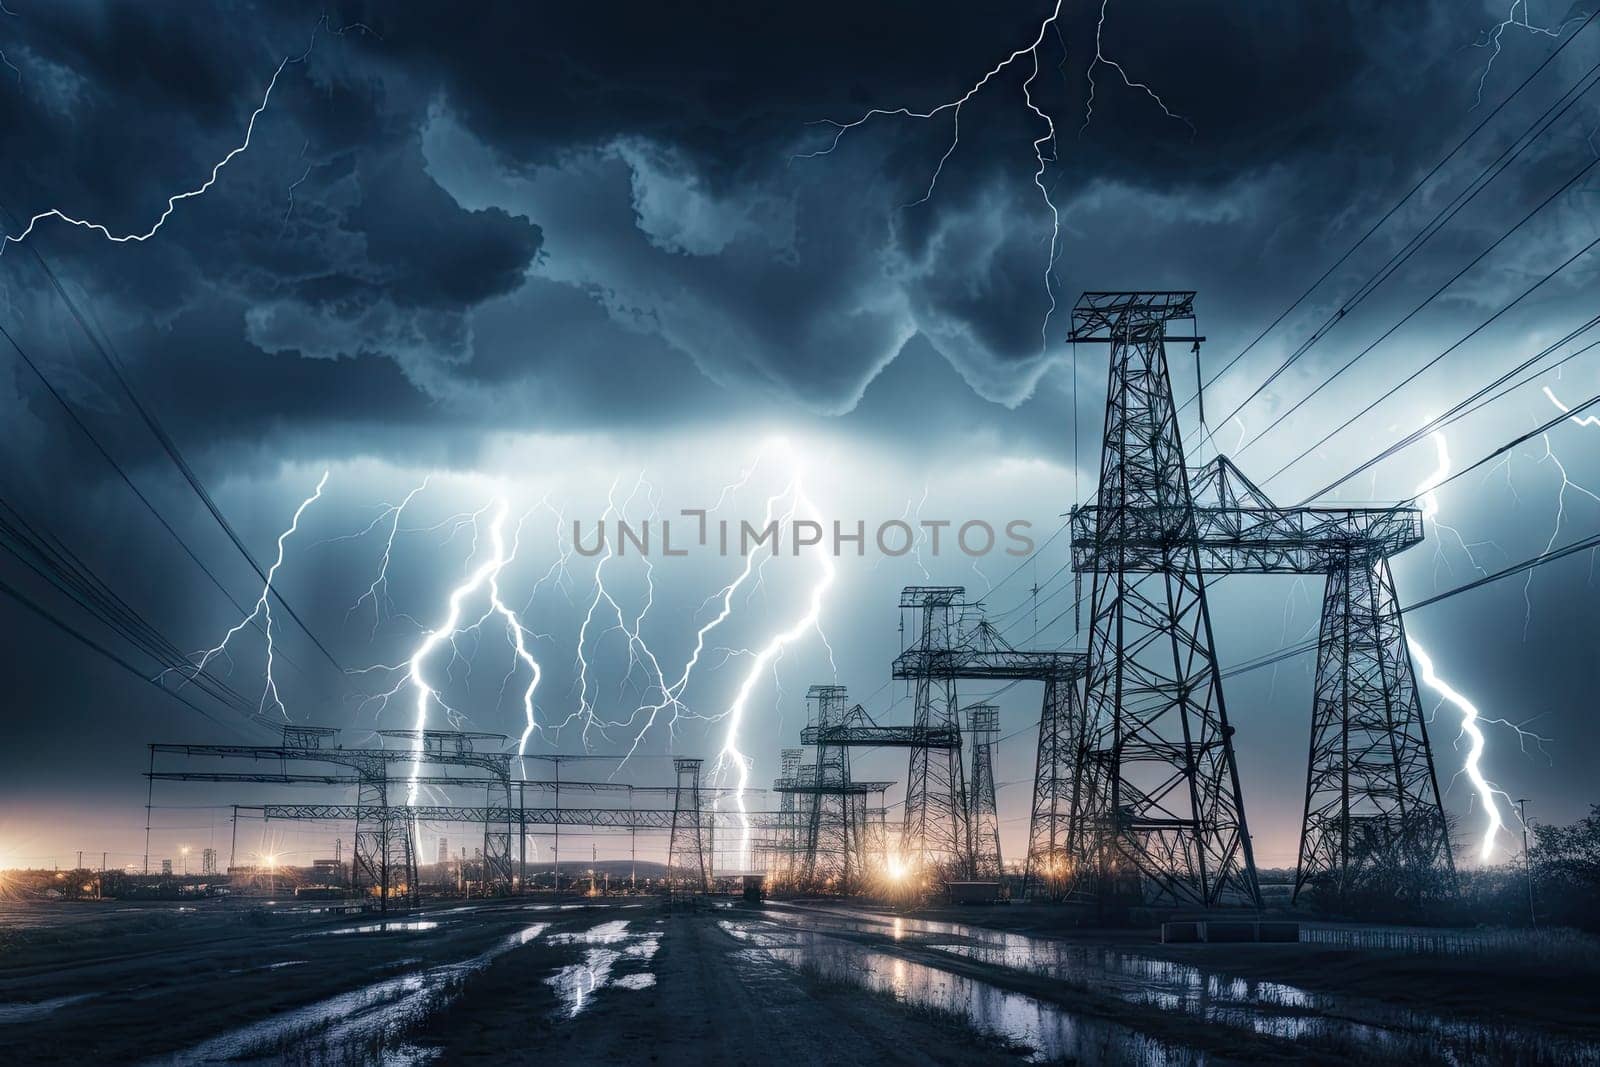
[
  {"x": 263, "y": 609},
  {"x": 1490, "y": 38},
  {"x": 10, "y": 65},
  {"x": 1561, "y": 514},
  {"x": 1044, "y": 146},
  {"x": 1581, "y": 420},
  {"x": 378, "y": 591},
  {"x": 518, "y": 635},
  {"x": 639, "y": 651},
  {"x": 482, "y": 579},
  {"x": 1471, "y": 718},
  {"x": 1473, "y": 765},
  {"x": 173, "y": 201},
  {"x": 671, "y": 696},
  {"x": 448, "y": 629},
  {"x": 1101, "y": 60},
  {"x": 766, "y": 658}
]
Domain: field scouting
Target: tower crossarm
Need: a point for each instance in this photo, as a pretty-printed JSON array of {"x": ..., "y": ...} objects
[
  {"x": 980, "y": 663},
  {"x": 1239, "y": 540},
  {"x": 635, "y": 818},
  {"x": 1238, "y": 530},
  {"x": 367, "y": 762},
  {"x": 811, "y": 787},
  {"x": 882, "y": 736}
]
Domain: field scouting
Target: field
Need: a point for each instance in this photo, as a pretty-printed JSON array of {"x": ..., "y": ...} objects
[{"x": 634, "y": 980}]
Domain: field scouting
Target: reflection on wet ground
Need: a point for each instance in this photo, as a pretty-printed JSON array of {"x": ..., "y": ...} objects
[
  {"x": 381, "y": 928},
  {"x": 22, "y": 1011},
  {"x": 364, "y": 1016},
  {"x": 1356, "y": 1025},
  {"x": 607, "y": 946},
  {"x": 1052, "y": 1033}
]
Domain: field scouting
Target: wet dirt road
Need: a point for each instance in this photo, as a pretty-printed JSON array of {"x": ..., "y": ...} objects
[{"x": 627, "y": 981}]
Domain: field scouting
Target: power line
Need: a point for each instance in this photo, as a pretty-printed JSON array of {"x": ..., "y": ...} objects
[
  {"x": 44, "y": 555},
  {"x": 100, "y": 448},
  {"x": 65, "y": 627},
  {"x": 1414, "y": 375},
  {"x": 1376, "y": 226},
  {"x": 168, "y": 445},
  {"x": 1363, "y": 353},
  {"x": 1587, "y": 543},
  {"x": 1471, "y": 404}
]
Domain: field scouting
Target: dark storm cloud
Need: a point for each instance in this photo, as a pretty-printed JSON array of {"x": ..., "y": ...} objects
[{"x": 661, "y": 146}]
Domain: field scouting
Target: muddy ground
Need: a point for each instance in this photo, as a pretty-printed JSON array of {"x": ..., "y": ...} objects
[{"x": 629, "y": 981}]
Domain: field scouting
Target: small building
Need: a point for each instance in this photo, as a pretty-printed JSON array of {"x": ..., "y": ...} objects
[{"x": 755, "y": 888}]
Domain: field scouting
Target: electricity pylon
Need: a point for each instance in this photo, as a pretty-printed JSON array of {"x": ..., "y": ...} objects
[
  {"x": 688, "y": 854},
  {"x": 1373, "y": 815},
  {"x": 983, "y": 723},
  {"x": 1159, "y": 801}
]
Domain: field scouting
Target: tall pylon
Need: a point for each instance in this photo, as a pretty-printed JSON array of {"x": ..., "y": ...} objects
[
  {"x": 787, "y": 840},
  {"x": 1163, "y": 818},
  {"x": 983, "y": 723},
  {"x": 688, "y": 854},
  {"x": 1051, "y": 824},
  {"x": 385, "y": 858},
  {"x": 937, "y": 834},
  {"x": 835, "y": 830},
  {"x": 1373, "y": 817}
]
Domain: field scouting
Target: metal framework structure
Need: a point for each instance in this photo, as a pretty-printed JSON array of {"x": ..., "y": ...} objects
[
  {"x": 983, "y": 722},
  {"x": 1373, "y": 816},
  {"x": 937, "y": 834},
  {"x": 688, "y": 850},
  {"x": 593, "y": 818},
  {"x": 1159, "y": 804},
  {"x": 1373, "y": 821},
  {"x": 837, "y": 823},
  {"x": 385, "y": 851},
  {"x": 973, "y": 650}
]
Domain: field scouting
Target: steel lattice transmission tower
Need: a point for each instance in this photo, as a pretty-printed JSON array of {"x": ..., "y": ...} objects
[
  {"x": 1055, "y": 778},
  {"x": 688, "y": 852},
  {"x": 835, "y": 830},
  {"x": 1160, "y": 803},
  {"x": 785, "y": 844},
  {"x": 937, "y": 836},
  {"x": 1373, "y": 817},
  {"x": 983, "y": 723}
]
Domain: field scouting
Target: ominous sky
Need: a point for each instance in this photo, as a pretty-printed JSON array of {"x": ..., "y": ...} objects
[{"x": 581, "y": 256}]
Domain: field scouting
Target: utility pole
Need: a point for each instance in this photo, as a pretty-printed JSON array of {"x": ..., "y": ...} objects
[{"x": 1527, "y": 858}]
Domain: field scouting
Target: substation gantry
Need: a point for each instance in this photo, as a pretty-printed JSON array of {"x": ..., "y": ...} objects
[
  {"x": 1157, "y": 802},
  {"x": 953, "y": 642},
  {"x": 385, "y": 859},
  {"x": 829, "y": 836}
]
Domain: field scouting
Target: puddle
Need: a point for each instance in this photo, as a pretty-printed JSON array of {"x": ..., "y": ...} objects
[
  {"x": 411, "y": 926},
  {"x": 21, "y": 1012},
  {"x": 267, "y": 967},
  {"x": 609, "y": 944},
  {"x": 1052, "y": 1033},
  {"x": 1354, "y": 1025},
  {"x": 364, "y": 1017}
]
